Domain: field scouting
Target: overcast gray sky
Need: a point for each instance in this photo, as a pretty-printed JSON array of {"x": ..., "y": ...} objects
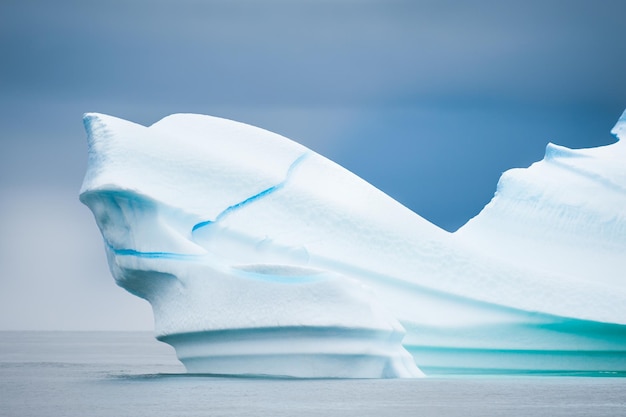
[{"x": 428, "y": 100}]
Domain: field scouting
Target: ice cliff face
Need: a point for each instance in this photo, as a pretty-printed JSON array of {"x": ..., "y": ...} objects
[{"x": 260, "y": 256}]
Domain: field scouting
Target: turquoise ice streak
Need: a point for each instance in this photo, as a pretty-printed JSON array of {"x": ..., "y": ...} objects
[
  {"x": 150, "y": 255},
  {"x": 255, "y": 197}
]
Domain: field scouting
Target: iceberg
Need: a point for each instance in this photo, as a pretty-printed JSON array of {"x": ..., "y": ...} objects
[{"x": 262, "y": 257}]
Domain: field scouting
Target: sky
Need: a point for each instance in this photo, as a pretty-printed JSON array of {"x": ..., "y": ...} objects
[{"x": 430, "y": 101}]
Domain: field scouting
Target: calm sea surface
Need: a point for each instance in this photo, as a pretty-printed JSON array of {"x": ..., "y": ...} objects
[{"x": 131, "y": 374}]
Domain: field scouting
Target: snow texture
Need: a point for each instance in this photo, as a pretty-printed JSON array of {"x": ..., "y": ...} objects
[{"x": 261, "y": 257}]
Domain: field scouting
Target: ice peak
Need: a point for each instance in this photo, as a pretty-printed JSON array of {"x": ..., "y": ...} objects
[{"x": 619, "y": 129}]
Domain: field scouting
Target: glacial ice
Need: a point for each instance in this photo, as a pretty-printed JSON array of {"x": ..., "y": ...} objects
[{"x": 261, "y": 257}]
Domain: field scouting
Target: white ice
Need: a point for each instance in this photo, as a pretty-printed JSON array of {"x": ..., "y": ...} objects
[{"x": 261, "y": 257}]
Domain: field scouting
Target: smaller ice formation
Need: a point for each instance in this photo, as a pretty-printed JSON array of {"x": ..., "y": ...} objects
[{"x": 261, "y": 257}]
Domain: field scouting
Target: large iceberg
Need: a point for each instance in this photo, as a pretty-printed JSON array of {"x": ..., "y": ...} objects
[{"x": 261, "y": 257}]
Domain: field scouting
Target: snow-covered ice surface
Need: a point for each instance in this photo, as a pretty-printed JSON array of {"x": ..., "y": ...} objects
[{"x": 261, "y": 257}]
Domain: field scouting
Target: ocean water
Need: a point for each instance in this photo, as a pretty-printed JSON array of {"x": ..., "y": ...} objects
[{"x": 131, "y": 374}]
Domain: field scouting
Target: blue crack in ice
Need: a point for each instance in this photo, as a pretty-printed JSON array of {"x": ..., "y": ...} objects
[
  {"x": 224, "y": 213},
  {"x": 151, "y": 255},
  {"x": 253, "y": 198}
]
